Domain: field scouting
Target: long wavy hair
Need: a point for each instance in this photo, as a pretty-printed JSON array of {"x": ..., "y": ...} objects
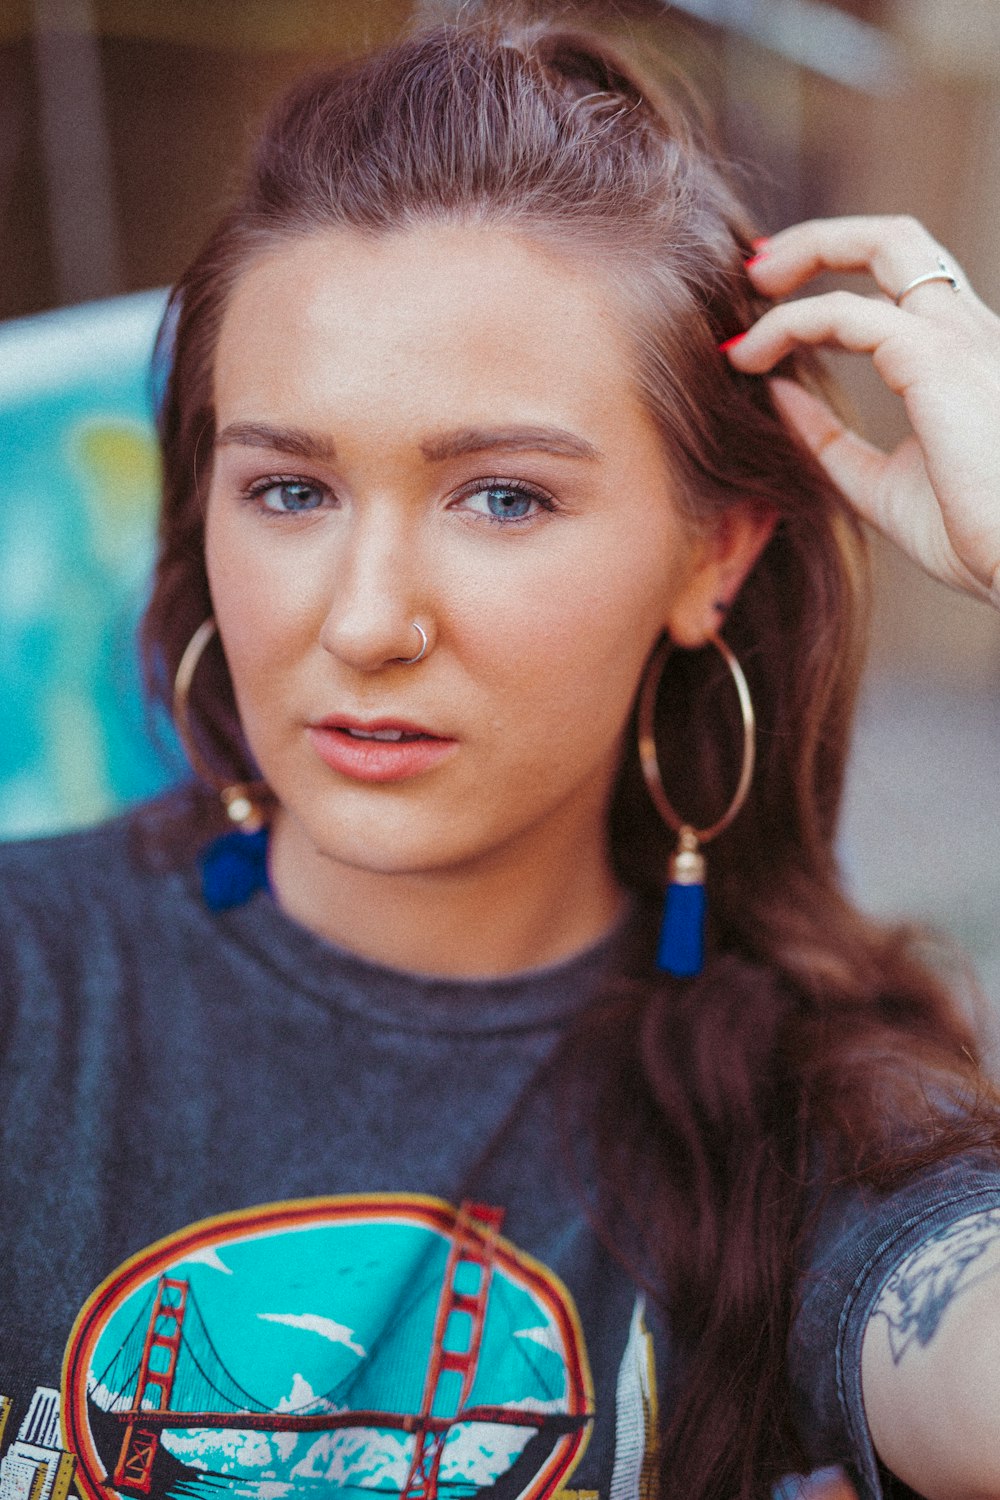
[{"x": 810, "y": 1033}]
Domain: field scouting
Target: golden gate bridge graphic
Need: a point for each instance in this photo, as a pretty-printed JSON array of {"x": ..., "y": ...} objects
[{"x": 168, "y": 1374}]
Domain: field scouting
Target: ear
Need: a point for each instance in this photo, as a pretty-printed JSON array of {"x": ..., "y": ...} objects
[{"x": 723, "y": 557}]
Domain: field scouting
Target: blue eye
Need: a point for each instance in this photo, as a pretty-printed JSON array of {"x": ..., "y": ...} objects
[
  {"x": 506, "y": 502},
  {"x": 288, "y": 496}
]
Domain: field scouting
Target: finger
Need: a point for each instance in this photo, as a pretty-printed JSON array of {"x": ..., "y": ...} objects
[
  {"x": 855, "y": 466},
  {"x": 891, "y": 492},
  {"x": 893, "y": 249},
  {"x": 841, "y": 319}
]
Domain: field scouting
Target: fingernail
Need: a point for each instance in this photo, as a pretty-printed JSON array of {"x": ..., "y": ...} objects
[
  {"x": 729, "y": 343},
  {"x": 755, "y": 259},
  {"x": 762, "y": 245}
]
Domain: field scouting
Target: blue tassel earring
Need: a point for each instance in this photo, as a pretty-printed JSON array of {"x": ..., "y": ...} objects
[
  {"x": 682, "y": 934},
  {"x": 234, "y": 865}
]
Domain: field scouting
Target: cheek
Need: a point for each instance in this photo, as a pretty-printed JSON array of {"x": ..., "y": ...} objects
[
  {"x": 262, "y": 608},
  {"x": 563, "y": 650},
  {"x": 260, "y": 592}
]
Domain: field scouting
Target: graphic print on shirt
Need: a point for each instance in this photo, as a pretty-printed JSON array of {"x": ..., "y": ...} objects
[
  {"x": 637, "y": 1418},
  {"x": 386, "y": 1343}
]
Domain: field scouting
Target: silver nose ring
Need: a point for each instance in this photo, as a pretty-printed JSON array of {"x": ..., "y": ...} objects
[{"x": 407, "y": 661}]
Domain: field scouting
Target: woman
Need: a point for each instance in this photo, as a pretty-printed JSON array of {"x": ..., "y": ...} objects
[{"x": 389, "y": 1152}]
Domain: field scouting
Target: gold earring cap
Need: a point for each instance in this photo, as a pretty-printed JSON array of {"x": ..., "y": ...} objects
[{"x": 687, "y": 863}]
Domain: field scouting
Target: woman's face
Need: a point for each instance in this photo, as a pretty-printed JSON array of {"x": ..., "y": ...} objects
[{"x": 438, "y": 426}]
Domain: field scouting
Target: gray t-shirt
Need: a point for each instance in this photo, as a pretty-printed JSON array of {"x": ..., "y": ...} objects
[{"x": 275, "y": 1219}]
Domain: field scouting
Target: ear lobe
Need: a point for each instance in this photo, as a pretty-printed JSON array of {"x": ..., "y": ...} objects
[{"x": 728, "y": 555}]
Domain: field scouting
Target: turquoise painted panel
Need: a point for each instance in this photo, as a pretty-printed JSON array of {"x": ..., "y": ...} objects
[{"x": 77, "y": 525}]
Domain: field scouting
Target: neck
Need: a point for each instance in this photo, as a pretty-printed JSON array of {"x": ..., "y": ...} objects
[{"x": 522, "y": 907}]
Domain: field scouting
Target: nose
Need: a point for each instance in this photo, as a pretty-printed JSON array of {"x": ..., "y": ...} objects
[{"x": 376, "y": 596}]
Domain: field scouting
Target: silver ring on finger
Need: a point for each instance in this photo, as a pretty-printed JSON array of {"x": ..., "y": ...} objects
[{"x": 943, "y": 273}]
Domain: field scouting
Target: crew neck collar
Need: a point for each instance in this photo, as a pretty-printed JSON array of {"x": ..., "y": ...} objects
[{"x": 529, "y": 999}]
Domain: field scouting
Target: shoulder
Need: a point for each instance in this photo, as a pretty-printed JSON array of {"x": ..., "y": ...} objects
[
  {"x": 864, "y": 1247},
  {"x": 47, "y": 878},
  {"x": 68, "y": 892},
  {"x": 96, "y": 926},
  {"x": 49, "y": 885},
  {"x": 930, "y": 1352},
  {"x": 40, "y": 869}
]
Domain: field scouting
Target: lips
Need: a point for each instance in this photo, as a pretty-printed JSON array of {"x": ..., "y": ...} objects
[{"x": 378, "y": 750}]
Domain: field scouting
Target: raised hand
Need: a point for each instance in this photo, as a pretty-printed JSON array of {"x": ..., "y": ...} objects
[{"x": 937, "y": 495}]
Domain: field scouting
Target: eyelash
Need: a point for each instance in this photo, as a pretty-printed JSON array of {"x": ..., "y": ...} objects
[{"x": 254, "y": 493}]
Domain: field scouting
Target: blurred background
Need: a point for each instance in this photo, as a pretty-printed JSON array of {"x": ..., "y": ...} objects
[{"x": 123, "y": 125}]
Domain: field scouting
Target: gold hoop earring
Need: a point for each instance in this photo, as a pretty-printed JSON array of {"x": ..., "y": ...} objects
[
  {"x": 241, "y": 799},
  {"x": 681, "y": 946}
]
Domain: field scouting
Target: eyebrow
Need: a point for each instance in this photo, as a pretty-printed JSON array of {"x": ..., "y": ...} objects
[
  {"x": 279, "y": 439},
  {"x": 508, "y": 440},
  {"x": 303, "y": 444}
]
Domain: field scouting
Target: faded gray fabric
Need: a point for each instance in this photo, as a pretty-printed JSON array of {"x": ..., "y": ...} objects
[{"x": 161, "y": 1064}]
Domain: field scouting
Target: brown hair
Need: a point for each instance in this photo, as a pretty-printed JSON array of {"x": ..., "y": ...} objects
[{"x": 809, "y": 1027}]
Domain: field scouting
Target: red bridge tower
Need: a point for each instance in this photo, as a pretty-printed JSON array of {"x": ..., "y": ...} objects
[
  {"x": 473, "y": 1247},
  {"x": 134, "y": 1469}
]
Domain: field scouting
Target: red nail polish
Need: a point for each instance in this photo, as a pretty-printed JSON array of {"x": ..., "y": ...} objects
[
  {"x": 762, "y": 245},
  {"x": 728, "y": 344},
  {"x": 755, "y": 259}
]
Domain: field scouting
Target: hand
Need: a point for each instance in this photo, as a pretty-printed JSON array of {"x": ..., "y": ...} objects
[{"x": 937, "y": 496}]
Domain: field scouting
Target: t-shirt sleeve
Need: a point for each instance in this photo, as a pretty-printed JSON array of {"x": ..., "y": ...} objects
[{"x": 859, "y": 1240}]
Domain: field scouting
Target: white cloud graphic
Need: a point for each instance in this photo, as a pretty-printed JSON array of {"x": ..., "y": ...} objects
[
  {"x": 363, "y": 1457},
  {"x": 208, "y": 1256},
  {"x": 535, "y": 1404},
  {"x": 545, "y": 1336},
  {"x": 104, "y": 1397},
  {"x": 337, "y": 1333},
  {"x": 233, "y": 1452},
  {"x": 302, "y": 1394},
  {"x": 369, "y": 1458},
  {"x": 227, "y": 1452}
]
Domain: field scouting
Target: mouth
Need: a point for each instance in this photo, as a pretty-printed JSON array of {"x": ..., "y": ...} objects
[
  {"x": 387, "y": 736},
  {"x": 384, "y": 731},
  {"x": 378, "y": 750}
]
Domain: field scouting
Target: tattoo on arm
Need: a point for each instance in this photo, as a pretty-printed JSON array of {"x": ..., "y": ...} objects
[{"x": 917, "y": 1294}]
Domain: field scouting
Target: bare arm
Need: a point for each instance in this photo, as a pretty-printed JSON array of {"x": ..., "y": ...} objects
[{"x": 931, "y": 1364}]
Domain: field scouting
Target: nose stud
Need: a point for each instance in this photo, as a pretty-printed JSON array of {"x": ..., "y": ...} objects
[{"x": 407, "y": 661}]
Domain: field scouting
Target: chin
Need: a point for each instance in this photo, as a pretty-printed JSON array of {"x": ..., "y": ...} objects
[{"x": 382, "y": 845}]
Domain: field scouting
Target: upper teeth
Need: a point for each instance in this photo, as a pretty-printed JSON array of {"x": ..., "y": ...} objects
[{"x": 376, "y": 734}]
